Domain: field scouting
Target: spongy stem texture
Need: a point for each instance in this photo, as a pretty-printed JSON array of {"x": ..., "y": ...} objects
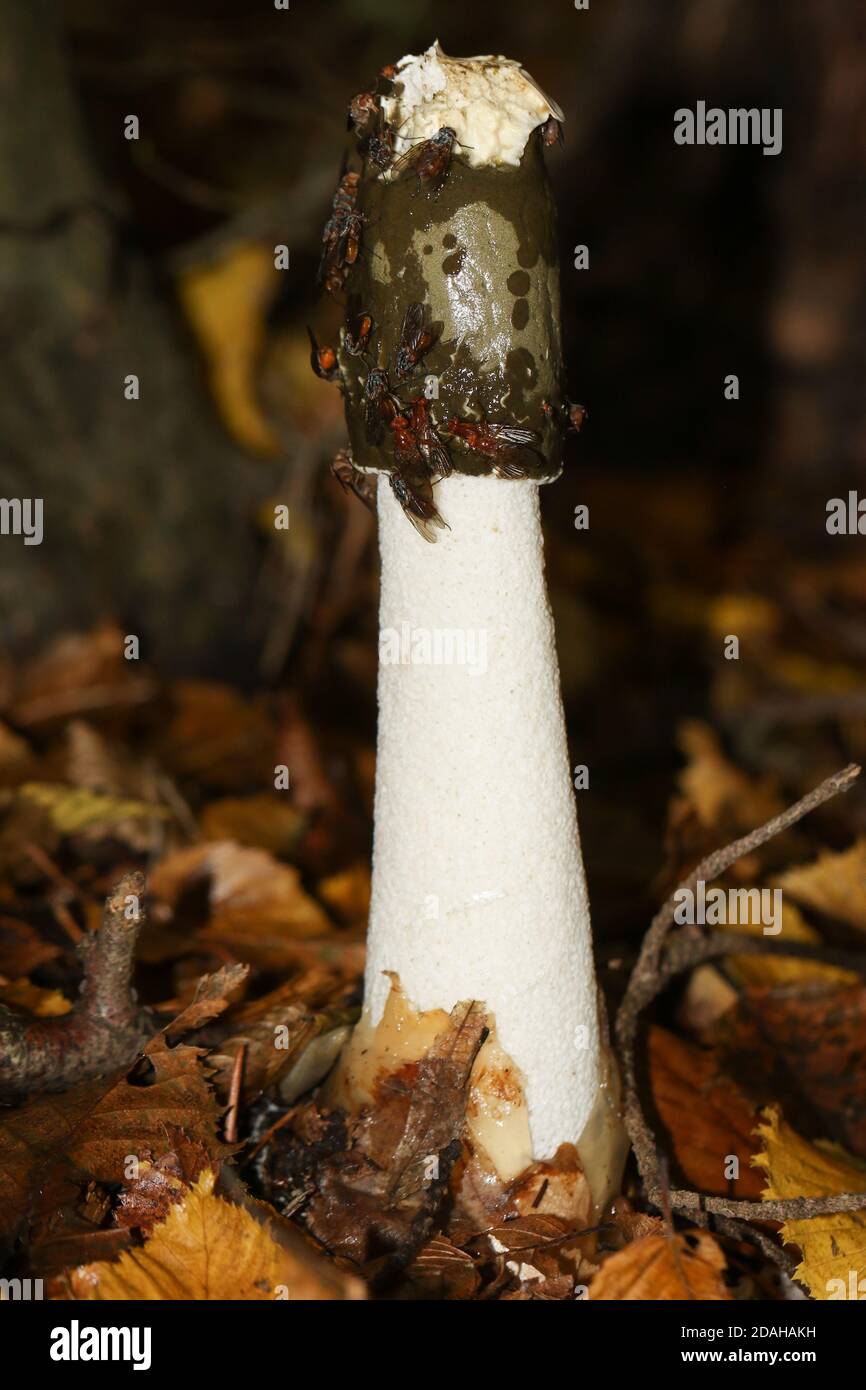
[{"x": 478, "y": 883}]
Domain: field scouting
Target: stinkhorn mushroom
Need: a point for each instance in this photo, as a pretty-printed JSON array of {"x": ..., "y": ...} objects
[{"x": 443, "y": 240}]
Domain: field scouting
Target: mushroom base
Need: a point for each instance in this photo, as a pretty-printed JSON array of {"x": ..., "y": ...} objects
[{"x": 580, "y": 1181}]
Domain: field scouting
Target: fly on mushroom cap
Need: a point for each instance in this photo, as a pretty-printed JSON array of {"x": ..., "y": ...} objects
[{"x": 459, "y": 271}]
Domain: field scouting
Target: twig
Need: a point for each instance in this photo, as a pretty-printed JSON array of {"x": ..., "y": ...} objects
[
  {"x": 235, "y": 1095},
  {"x": 661, "y": 958},
  {"x": 107, "y": 1026},
  {"x": 64, "y": 885}
]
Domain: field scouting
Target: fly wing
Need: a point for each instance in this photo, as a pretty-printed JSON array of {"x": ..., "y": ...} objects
[
  {"x": 512, "y": 434},
  {"x": 416, "y": 499},
  {"x": 405, "y": 163},
  {"x": 413, "y": 322},
  {"x": 517, "y": 463},
  {"x": 436, "y": 454},
  {"x": 373, "y": 423},
  {"x": 351, "y": 479}
]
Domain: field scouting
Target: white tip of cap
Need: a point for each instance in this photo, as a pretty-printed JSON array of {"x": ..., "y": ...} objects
[{"x": 490, "y": 103}]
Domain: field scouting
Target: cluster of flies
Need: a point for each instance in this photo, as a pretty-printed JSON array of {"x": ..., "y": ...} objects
[{"x": 421, "y": 455}]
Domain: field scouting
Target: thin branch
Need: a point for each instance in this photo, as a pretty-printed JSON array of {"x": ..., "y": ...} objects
[{"x": 661, "y": 958}]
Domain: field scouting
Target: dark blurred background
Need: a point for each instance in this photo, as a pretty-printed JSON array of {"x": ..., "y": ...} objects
[{"x": 154, "y": 257}]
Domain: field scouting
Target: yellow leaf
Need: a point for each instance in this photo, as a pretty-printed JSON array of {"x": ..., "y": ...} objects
[
  {"x": 834, "y": 884},
  {"x": 73, "y": 809},
  {"x": 814, "y": 675},
  {"x": 783, "y": 970},
  {"x": 44, "y": 1003},
  {"x": 209, "y": 1249},
  {"x": 834, "y": 1247},
  {"x": 715, "y": 788},
  {"x": 226, "y": 303},
  {"x": 749, "y": 615},
  {"x": 348, "y": 893}
]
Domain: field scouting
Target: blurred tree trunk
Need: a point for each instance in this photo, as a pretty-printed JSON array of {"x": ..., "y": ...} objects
[
  {"x": 149, "y": 508},
  {"x": 818, "y": 315}
]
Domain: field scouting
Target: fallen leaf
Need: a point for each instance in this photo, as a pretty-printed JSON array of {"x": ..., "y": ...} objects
[
  {"x": 75, "y": 809},
  {"x": 22, "y": 949},
  {"x": 209, "y": 1249},
  {"x": 709, "y": 1119},
  {"x": 442, "y": 1270},
  {"x": 715, "y": 790},
  {"x": 661, "y": 1268},
  {"x": 44, "y": 1003},
  {"x": 107, "y": 769},
  {"x": 98, "y": 1125},
  {"x": 226, "y": 303},
  {"x": 211, "y": 998},
  {"x": 347, "y": 894},
  {"x": 781, "y": 970},
  {"x": 255, "y": 902},
  {"x": 217, "y": 737},
  {"x": 555, "y": 1187},
  {"x": 78, "y": 673},
  {"x": 17, "y": 759},
  {"x": 835, "y": 885},
  {"x": 717, "y": 803},
  {"x": 156, "y": 1185},
  {"x": 293, "y": 1034},
  {"x": 803, "y": 1045},
  {"x": 266, "y": 822},
  {"x": 538, "y": 1250},
  {"x": 833, "y": 1247}
]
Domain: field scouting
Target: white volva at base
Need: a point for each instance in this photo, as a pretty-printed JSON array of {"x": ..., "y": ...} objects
[{"x": 478, "y": 884}]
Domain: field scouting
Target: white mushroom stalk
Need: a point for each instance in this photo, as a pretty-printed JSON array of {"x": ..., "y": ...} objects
[{"x": 478, "y": 882}]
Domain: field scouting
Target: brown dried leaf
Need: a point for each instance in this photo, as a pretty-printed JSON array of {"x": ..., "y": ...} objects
[
  {"x": 626, "y": 1225},
  {"x": 544, "y": 1254},
  {"x": 217, "y": 737},
  {"x": 97, "y": 1125},
  {"x": 98, "y": 765},
  {"x": 441, "y": 1270},
  {"x": 157, "y": 1185},
  {"x": 210, "y": 1000},
  {"x": 255, "y": 902},
  {"x": 804, "y": 1044},
  {"x": 554, "y": 1187},
  {"x": 659, "y": 1268},
  {"x": 707, "y": 1116},
  {"x": 77, "y": 673},
  {"x": 22, "y": 949},
  {"x": 17, "y": 759},
  {"x": 295, "y": 1032},
  {"x": 268, "y": 822},
  {"x": 717, "y": 803}
]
